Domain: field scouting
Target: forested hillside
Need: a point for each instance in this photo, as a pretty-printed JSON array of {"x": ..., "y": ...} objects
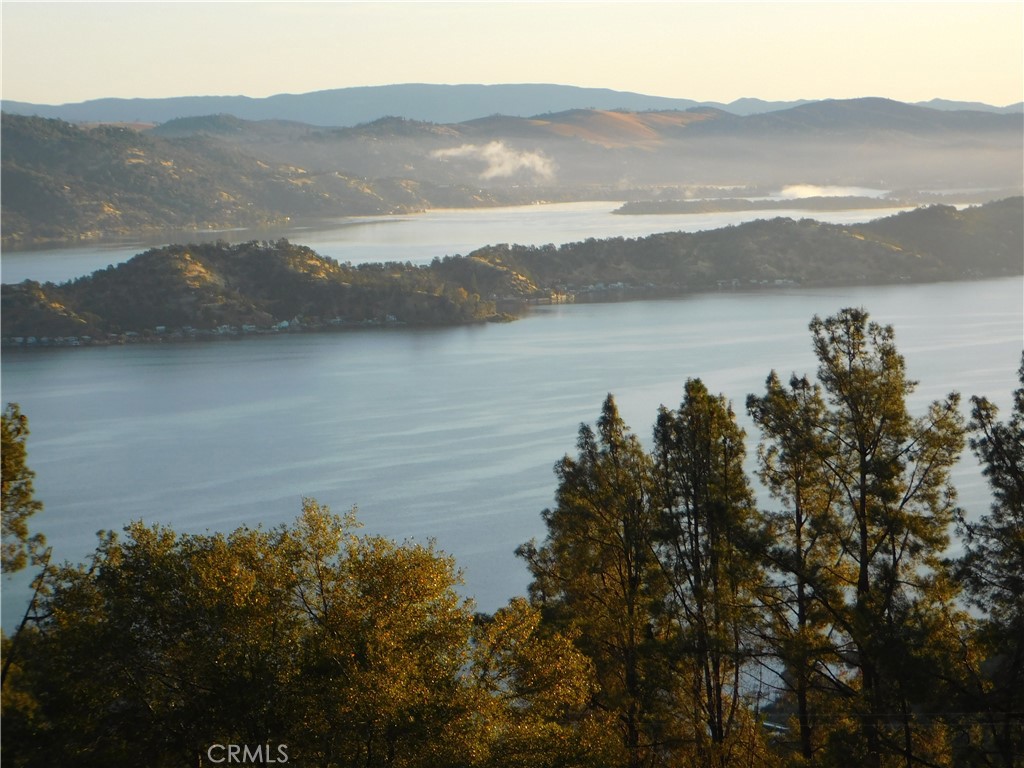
[
  {"x": 198, "y": 289},
  {"x": 65, "y": 182},
  {"x": 184, "y": 291},
  {"x": 671, "y": 622},
  {"x": 623, "y": 153},
  {"x": 933, "y": 243}
]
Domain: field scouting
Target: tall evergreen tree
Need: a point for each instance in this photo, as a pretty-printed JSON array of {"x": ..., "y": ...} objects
[
  {"x": 803, "y": 549},
  {"x": 892, "y": 474},
  {"x": 596, "y": 576},
  {"x": 707, "y": 528},
  {"x": 19, "y": 502},
  {"x": 993, "y": 571}
]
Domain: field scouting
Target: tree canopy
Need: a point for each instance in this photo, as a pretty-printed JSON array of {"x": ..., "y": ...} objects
[
  {"x": 349, "y": 650},
  {"x": 671, "y": 621},
  {"x": 19, "y": 502}
]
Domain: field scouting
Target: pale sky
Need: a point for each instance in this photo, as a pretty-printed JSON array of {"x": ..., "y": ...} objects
[{"x": 61, "y": 52}]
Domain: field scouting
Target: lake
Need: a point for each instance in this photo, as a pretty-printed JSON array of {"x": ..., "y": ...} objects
[
  {"x": 446, "y": 434},
  {"x": 417, "y": 238},
  {"x": 450, "y": 434}
]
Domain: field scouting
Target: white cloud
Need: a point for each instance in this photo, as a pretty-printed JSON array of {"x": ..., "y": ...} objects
[{"x": 502, "y": 161}]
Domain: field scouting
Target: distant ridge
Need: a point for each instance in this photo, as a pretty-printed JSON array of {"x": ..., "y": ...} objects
[
  {"x": 976, "y": 106},
  {"x": 67, "y": 182},
  {"x": 343, "y": 107}
]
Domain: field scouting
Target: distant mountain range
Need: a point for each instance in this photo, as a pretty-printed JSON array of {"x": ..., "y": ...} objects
[
  {"x": 65, "y": 182},
  {"x": 344, "y": 107}
]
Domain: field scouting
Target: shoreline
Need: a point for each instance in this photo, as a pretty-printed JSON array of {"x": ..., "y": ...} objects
[{"x": 608, "y": 295}]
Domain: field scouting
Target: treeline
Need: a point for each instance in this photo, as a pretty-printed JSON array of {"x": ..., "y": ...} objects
[
  {"x": 261, "y": 284},
  {"x": 937, "y": 242},
  {"x": 670, "y": 621},
  {"x": 255, "y": 284},
  {"x": 835, "y": 619},
  {"x": 348, "y": 650}
]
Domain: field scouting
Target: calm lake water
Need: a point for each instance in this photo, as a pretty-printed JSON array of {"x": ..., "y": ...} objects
[
  {"x": 448, "y": 434},
  {"x": 418, "y": 238}
]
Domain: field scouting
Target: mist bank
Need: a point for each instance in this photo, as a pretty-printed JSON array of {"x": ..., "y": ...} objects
[{"x": 68, "y": 183}]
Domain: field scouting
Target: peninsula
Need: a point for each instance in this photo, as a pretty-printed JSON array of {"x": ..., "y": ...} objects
[{"x": 218, "y": 290}]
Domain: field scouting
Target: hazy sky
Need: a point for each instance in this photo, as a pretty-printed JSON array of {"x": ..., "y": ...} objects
[{"x": 58, "y": 52}]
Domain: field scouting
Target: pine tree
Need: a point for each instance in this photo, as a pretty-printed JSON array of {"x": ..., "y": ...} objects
[
  {"x": 595, "y": 575},
  {"x": 803, "y": 549},
  {"x": 19, "y": 503},
  {"x": 892, "y": 475},
  {"x": 705, "y": 544},
  {"x": 993, "y": 571}
]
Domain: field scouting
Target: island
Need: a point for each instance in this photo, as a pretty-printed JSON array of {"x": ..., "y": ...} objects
[{"x": 223, "y": 290}]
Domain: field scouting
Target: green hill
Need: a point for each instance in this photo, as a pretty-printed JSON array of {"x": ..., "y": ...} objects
[
  {"x": 184, "y": 290},
  {"x": 63, "y": 182},
  {"x": 255, "y": 287},
  {"x": 933, "y": 243}
]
